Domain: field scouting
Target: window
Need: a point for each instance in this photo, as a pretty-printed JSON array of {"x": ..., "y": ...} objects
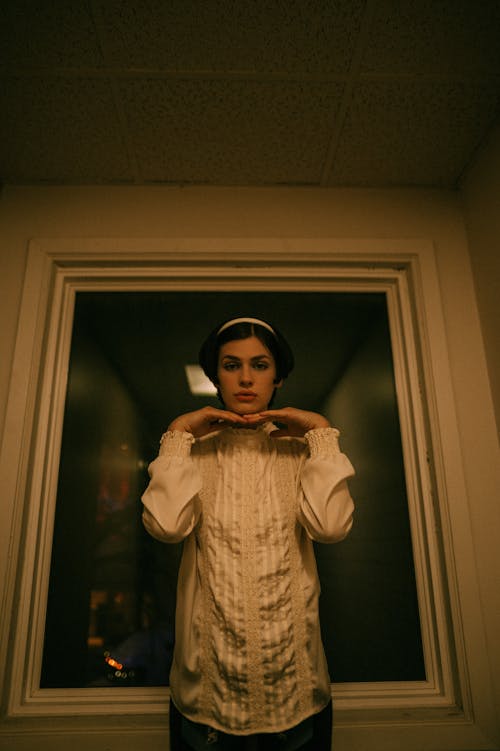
[
  {"x": 84, "y": 405},
  {"x": 111, "y": 600}
]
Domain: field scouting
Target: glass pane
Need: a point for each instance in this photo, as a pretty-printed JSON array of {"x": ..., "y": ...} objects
[{"x": 112, "y": 587}]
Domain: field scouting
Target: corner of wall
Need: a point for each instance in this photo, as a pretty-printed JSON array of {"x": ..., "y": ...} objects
[{"x": 480, "y": 191}]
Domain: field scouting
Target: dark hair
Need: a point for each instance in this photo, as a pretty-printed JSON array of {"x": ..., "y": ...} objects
[{"x": 275, "y": 343}]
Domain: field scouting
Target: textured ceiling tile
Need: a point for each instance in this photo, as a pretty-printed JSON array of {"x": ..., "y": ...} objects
[
  {"x": 282, "y": 36},
  {"x": 230, "y": 132},
  {"x": 265, "y": 124},
  {"x": 41, "y": 33},
  {"x": 412, "y": 133},
  {"x": 59, "y": 130},
  {"x": 446, "y": 38}
]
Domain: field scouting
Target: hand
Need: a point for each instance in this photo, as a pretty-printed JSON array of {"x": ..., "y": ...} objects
[
  {"x": 205, "y": 420},
  {"x": 297, "y": 421}
]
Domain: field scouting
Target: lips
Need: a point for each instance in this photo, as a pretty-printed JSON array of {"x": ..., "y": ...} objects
[{"x": 245, "y": 396}]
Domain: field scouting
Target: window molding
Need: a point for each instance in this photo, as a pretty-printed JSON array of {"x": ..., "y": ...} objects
[{"x": 448, "y": 707}]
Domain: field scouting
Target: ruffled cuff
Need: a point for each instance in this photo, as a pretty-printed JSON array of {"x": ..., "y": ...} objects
[
  {"x": 323, "y": 441},
  {"x": 176, "y": 443}
]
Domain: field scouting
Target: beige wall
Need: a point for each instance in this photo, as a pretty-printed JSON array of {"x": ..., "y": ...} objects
[
  {"x": 481, "y": 200},
  {"x": 437, "y": 216}
]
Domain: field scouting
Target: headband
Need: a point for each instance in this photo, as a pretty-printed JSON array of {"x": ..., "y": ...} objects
[{"x": 234, "y": 321}]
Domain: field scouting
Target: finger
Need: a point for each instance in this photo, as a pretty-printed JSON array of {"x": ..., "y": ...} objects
[
  {"x": 229, "y": 417},
  {"x": 233, "y": 417},
  {"x": 255, "y": 418},
  {"x": 276, "y": 413}
]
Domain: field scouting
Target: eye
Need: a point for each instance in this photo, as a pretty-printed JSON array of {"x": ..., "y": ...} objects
[
  {"x": 261, "y": 365},
  {"x": 230, "y": 365}
]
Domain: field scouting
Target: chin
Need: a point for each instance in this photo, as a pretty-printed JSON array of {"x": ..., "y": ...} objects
[{"x": 247, "y": 409}]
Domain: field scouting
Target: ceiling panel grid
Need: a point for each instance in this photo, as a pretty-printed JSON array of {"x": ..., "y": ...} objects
[{"x": 353, "y": 92}]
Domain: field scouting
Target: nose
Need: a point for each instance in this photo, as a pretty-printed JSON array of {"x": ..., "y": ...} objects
[{"x": 246, "y": 377}]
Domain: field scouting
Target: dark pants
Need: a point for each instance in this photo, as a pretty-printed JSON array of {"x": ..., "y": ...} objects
[{"x": 189, "y": 736}]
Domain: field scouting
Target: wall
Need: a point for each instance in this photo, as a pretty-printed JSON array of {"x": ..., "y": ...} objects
[
  {"x": 27, "y": 212},
  {"x": 481, "y": 201}
]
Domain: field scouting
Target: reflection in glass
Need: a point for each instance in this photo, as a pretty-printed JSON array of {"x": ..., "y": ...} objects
[{"x": 111, "y": 600}]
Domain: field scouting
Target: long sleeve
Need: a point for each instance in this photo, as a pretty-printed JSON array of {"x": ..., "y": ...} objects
[
  {"x": 171, "y": 504},
  {"x": 326, "y": 507}
]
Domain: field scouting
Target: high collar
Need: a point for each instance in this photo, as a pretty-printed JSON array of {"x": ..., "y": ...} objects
[{"x": 247, "y": 435}]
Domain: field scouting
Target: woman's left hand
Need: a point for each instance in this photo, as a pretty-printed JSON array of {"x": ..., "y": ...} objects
[{"x": 297, "y": 421}]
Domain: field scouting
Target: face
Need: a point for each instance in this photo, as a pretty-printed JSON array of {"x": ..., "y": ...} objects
[{"x": 246, "y": 372}]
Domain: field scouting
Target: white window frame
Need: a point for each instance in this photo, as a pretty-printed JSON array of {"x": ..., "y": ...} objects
[{"x": 449, "y": 709}]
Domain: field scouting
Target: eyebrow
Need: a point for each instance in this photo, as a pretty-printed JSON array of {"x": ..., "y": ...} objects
[{"x": 263, "y": 356}]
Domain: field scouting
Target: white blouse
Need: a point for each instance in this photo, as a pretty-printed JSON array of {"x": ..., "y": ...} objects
[{"x": 248, "y": 656}]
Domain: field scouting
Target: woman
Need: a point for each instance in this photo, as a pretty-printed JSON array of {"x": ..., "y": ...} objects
[{"x": 249, "y": 670}]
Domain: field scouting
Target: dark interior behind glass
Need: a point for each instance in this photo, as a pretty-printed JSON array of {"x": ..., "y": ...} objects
[{"x": 111, "y": 601}]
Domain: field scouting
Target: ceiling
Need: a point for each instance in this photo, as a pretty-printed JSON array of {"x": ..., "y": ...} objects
[{"x": 246, "y": 92}]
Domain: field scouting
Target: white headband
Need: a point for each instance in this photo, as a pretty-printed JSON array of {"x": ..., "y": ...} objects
[{"x": 234, "y": 321}]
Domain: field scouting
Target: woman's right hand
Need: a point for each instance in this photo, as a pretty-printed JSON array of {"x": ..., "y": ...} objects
[{"x": 206, "y": 420}]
